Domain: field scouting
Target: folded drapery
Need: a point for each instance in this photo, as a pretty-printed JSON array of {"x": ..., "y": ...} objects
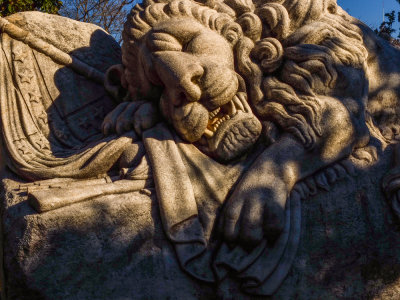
[
  {"x": 191, "y": 188},
  {"x": 50, "y": 131}
]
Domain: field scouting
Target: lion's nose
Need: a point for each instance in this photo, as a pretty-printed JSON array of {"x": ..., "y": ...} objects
[{"x": 189, "y": 83}]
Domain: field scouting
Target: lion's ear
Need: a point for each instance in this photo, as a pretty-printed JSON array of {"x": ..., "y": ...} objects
[{"x": 113, "y": 82}]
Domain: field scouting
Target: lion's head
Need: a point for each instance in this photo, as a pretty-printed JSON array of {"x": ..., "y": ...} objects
[
  {"x": 205, "y": 62},
  {"x": 188, "y": 50}
]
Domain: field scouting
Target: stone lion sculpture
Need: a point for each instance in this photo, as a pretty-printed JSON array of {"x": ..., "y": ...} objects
[
  {"x": 303, "y": 71},
  {"x": 233, "y": 110}
]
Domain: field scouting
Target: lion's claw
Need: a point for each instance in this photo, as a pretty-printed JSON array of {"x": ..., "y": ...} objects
[
  {"x": 251, "y": 215},
  {"x": 128, "y": 116}
]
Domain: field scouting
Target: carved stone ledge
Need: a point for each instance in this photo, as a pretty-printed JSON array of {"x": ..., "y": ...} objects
[{"x": 114, "y": 247}]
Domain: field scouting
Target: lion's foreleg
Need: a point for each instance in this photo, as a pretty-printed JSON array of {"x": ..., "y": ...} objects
[{"x": 256, "y": 208}]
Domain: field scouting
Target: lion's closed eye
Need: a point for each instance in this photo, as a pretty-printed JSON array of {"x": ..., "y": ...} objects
[{"x": 160, "y": 41}]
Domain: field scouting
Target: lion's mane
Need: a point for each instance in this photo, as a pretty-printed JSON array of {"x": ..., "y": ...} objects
[
  {"x": 303, "y": 46},
  {"x": 285, "y": 51}
]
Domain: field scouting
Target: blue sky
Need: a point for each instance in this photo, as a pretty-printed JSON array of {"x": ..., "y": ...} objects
[{"x": 369, "y": 11}]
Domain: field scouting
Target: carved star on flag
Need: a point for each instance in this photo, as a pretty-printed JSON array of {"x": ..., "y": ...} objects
[
  {"x": 34, "y": 97},
  {"x": 19, "y": 54},
  {"x": 60, "y": 133},
  {"x": 84, "y": 123},
  {"x": 42, "y": 143},
  {"x": 98, "y": 112},
  {"x": 23, "y": 149},
  {"x": 25, "y": 76},
  {"x": 43, "y": 117}
]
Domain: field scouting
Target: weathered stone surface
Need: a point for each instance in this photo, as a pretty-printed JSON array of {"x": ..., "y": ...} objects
[
  {"x": 110, "y": 248},
  {"x": 349, "y": 242},
  {"x": 114, "y": 247},
  {"x": 183, "y": 166}
]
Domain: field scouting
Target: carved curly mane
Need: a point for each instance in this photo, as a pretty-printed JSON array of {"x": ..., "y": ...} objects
[
  {"x": 288, "y": 52},
  {"x": 317, "y": 40}
]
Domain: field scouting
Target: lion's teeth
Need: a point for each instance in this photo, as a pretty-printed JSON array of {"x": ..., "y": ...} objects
[
  {"x": 237, "y": 103},
  {"x": 246, "y": 105},
  {"x": 230, "y": 108},
  {"x": 208, "y": 133},
  {"x": 214, "y": 113},
  {"x": 234, "y": 110}
]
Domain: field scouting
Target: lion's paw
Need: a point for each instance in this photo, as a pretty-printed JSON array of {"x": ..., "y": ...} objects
[
  {"x": 127, "y": 116},
  {"x": 251, "y": 215}
]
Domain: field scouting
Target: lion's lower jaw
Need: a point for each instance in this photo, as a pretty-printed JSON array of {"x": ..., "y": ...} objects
[{"x": 235, "y": 137}]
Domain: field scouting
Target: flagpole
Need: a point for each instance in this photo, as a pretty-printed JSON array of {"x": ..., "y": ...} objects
[
  {"x": 51, "y": 51},
  {"x": 383, "y": 11}
]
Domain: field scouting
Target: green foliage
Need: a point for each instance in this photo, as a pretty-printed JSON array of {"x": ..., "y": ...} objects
[
  {"x": 8, "y": 7},
  {"x": 386, "y": 29}
]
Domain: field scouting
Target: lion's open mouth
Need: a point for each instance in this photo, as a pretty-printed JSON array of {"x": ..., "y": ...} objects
[{"x": 232, "y": 129}]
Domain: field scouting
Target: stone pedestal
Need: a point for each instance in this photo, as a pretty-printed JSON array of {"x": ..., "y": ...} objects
[{"x": 114, "y": 247}]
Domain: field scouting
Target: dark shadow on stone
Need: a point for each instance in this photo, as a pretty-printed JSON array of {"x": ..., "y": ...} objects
[
  {"x": 76, "y": 115},
  {"x": 114, "y": 247}
]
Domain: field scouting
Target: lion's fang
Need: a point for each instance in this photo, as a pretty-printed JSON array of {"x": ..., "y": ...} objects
[
  {"x": 237, "y": 103},
  {"x": 208, "y": 133}
]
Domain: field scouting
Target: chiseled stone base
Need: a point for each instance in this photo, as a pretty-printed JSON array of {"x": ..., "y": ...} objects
[
  {"x": 114, "y": 247},
  {"x": 350, "y": 241}
]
